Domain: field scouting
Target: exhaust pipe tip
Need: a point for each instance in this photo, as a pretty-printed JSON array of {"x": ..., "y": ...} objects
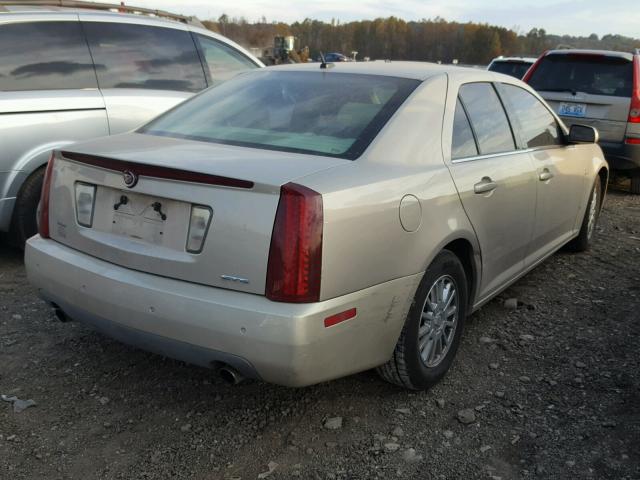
[
  {"x": 59, "y": 313},
  {"x": 230, "y": 375}
]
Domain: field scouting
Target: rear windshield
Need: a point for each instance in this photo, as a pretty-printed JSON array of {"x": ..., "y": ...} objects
[
  {"x": 513, "y": 68},
  {"x": 326, "y": 113},
  {"x": 594, "y": 74}
]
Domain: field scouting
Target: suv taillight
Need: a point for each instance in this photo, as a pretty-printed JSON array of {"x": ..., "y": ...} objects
[
  {"x": 634, "y": 112},
  {"x": 295, "y": 256},
  {"x": 532, "y": 68},
  {"x": 43, "y": 209}
]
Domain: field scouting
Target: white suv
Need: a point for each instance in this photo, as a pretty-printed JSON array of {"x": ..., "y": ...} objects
[{"x": 72, "y": 74}]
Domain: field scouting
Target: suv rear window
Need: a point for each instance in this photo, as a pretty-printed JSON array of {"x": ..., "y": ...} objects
[
  {"x": 593, "y": 74},
  {"x": 511, "y": 67},
  {"x": 44, "y": 56},
  {"x": 325, "y": 113}
]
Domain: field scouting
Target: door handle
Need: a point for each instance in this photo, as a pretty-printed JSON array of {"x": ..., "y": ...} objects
[
  {"x": 485, "y": 185},
  {"x": 545, "y": 175}
]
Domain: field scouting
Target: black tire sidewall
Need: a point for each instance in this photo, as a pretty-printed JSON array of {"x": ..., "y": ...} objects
[
  {"x": 24, "y": 224},
  {"x": 421, "y": 377}
]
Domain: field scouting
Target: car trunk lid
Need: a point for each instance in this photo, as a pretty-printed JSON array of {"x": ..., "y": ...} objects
[{"x": 147, "y": 226}]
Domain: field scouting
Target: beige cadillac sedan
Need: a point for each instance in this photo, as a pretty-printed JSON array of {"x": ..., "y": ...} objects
[{"x": 299, "y": 224}]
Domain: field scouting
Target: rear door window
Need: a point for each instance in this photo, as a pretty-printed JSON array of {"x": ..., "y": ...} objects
[
  {"x": 142, "y": 56},
  {"x": 44, "y": 56},
  {"x": 222, "y": 62},
  {"x": 535, "y": 124},
  {"x": 594, "y": 74},
  {"x": 488, "y": 118},
  {"x": 463, "y": 144}
]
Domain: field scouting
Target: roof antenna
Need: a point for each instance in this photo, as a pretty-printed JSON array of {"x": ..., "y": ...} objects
[{"x": 324, "y": 65}]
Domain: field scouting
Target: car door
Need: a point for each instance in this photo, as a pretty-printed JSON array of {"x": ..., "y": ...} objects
[
  {"x": 142, "y": 70},
  {"x": 495, "y": 181},
  {"x": 559, "y": 168}
]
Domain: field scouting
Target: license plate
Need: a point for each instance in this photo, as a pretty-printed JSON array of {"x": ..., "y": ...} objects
[{"x": 573, "y": 109}]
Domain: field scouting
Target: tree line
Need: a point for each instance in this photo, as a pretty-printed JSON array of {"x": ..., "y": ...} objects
[{"x": 426, "y": 40}]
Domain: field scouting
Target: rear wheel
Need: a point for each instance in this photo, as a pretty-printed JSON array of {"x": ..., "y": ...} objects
[
  {"x": 635, "y": 183},
  {"x": 23, "y": 222},
  {"x": 583, "y": 241},
  {"x": 431, "y": 335}
]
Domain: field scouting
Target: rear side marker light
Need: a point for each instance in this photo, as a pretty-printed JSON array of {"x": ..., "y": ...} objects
[
  {"x": 339, "y": 317},
  {"x": 198, "y": 228},
  {"x": 43, "y": 208},
  {"x": 85, "y": 203},
  {"x": 632, "y": 141}
]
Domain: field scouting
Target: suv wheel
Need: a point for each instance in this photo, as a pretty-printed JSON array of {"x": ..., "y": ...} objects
[
  {"x": 635, "y": 183},
  {"x": 431, "y": 335},
  {"x": 23, "y": 223}
]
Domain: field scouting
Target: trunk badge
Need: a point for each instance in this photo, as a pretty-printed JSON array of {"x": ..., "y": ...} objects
[{"x": 130, "y": 178}]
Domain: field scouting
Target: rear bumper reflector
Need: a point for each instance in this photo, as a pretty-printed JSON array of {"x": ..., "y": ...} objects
[
  {"x": 632, "y": 141},
  {"x": 339, "y": 317},
  {"x": 143, "y": 170}
]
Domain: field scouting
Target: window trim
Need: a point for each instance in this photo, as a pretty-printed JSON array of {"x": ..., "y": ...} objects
[{"x": 473, "y": 132}]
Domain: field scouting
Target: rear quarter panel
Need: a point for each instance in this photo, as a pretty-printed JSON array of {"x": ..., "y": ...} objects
[{"x": 364, "y": 241}]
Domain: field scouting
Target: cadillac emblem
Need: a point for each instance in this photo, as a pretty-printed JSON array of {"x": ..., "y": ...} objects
[{"x": 130, "y": 178}]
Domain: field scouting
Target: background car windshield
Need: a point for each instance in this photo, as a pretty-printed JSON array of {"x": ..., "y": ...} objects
[
  {"x": 327, "y": 113},
  {"x": 515, "y": 69},
  {"x": 594, "y": 74}
]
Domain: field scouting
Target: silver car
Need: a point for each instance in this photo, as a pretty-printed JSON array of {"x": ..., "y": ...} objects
[
  {"x": 514, "y": 66},
  {"x": 69, "y": 75},
  {"x": 598, "y": 88},
  {"x": 299, "y": 224}
]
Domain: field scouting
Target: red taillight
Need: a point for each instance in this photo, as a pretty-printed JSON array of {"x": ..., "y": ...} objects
[
  {"x": 634, "y": 111},
  {"x": 295, "y": 256},
  {"x": 532, "y": 68},
  {"x": 43, "y": 220},
  {"x": 632, "y": 141}
]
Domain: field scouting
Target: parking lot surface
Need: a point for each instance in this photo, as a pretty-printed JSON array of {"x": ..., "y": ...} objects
[{"x": 550, "y": 389}]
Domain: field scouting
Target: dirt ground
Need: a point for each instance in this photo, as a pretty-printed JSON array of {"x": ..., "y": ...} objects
[{"x": 553, "y": 388}]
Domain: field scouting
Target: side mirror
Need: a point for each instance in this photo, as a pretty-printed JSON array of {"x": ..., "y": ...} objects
[{"x": 583, "y": 134}]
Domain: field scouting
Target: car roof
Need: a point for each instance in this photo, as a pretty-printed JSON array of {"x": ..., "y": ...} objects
[
  {"x": 606, "y": 53},
  {"x": 515, "y": 59},
  {"x": 57, "y": 10},
  {"x": 402, "y": 69}
]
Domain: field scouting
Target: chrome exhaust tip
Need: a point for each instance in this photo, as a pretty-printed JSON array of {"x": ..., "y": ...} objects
[{"x": 230, "y": 375}]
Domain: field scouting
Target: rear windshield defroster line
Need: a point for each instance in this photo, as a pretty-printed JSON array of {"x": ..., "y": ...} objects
[{"x": 321, "y": 113}]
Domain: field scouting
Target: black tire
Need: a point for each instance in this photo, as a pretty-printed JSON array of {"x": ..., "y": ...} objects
[
  {"x": 635, "y": 183},
  {"x": 24, "y": 223},
  {"x": 406, "y": 367},
  {"x": 583, "y": 241}
]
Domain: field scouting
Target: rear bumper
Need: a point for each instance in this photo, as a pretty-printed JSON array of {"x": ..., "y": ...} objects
[
  {"x": 621, "y": 156},
  {"x": 280, "y": 343}
]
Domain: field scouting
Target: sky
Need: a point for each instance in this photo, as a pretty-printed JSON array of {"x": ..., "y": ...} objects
[{"x": 577, "y": 17}]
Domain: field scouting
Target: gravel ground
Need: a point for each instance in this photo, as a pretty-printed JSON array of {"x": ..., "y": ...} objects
[{"x": 550, "y": 389}]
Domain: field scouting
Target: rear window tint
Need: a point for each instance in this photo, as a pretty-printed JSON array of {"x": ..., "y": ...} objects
[
  {"x": 44, "y": 56},
  {"x": 487, "y": 117},
  {"x": 514, "y": 69},
  {"x": 327, "y": 113},
  {"x": 593, "y": 74},
  {"x": 142, "y": 56}
]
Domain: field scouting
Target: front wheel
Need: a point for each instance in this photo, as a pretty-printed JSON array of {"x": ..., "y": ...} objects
[
  {"x": 635, "y": 183},
  {"x": 583, "y": 241},
  {"x": 431, "y": 335}
]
